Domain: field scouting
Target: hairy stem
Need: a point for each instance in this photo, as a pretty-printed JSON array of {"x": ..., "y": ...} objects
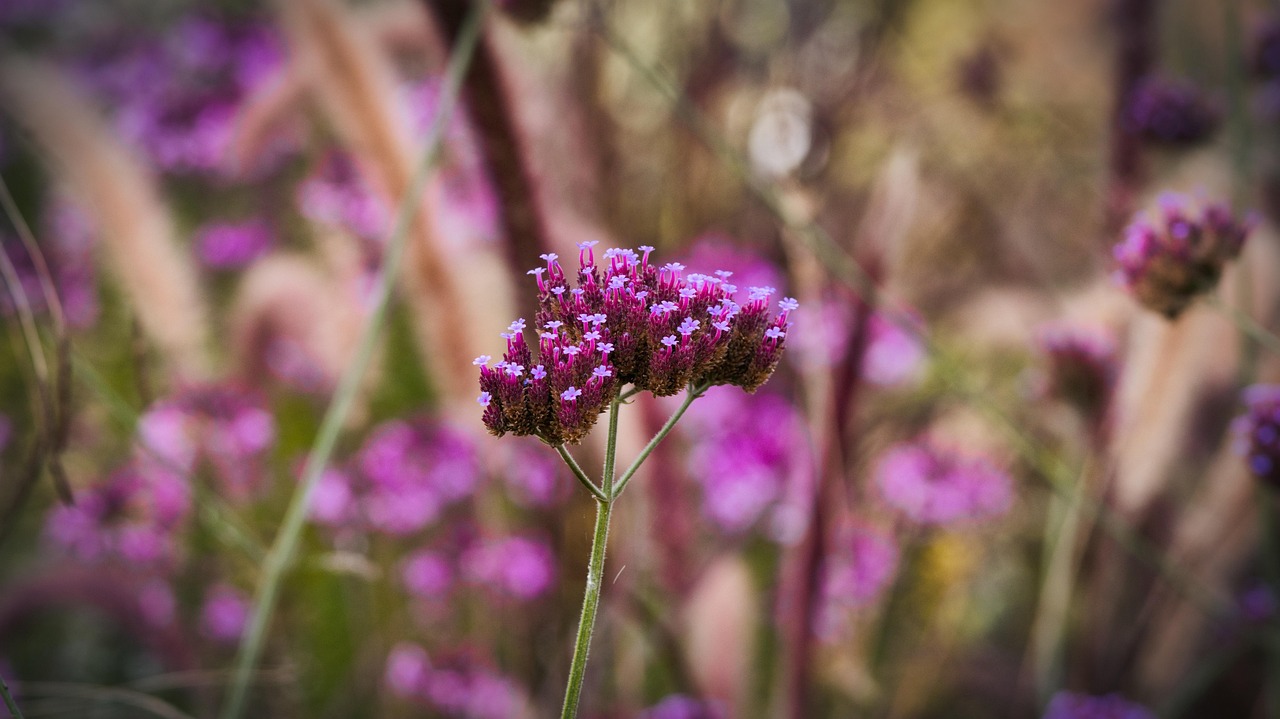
[
  {"x": 280, "y": 556},
  {"x": 595, "y": 571},
  {"x": 581, "y": 475},
  {"x": 9, "y": 703}
]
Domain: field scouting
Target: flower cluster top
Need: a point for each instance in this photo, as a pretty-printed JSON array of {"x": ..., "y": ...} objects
[
  {"x": 1166, "y": 263},
  {"x": 1257, "y": 431},
  {"x": 627, "y": 321}
]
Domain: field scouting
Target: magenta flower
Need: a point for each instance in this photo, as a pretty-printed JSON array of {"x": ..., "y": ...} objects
[
  {"x": 1167, "y": 261},
  {"x": 227, "y": 427},
  {"x": 224, "y": 615},
  {"x": 427, "y": 574},
  {"x": 932, "y": 486},
  {"x": 132, "y": 516},
  {"x": 748, "y": 452},
  {"x": 649, "y": 319},
  {"x": 533, "y": 477},
  {"x": 337, "y": 194},
  {"x": 226, "y": 246},
  {"x": 518, "y": 567},
  {"x": 411, "y": 471},
  {"x": 408, "y": 668}
]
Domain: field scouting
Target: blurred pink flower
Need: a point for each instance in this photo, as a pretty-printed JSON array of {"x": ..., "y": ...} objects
[
  {"x": 224, "y": 246},
  {"x": 932, "y": 486},
  {"x": 860, "y": 566},
  {"x": 518, "y": 567},
  {"x": 224, "y": 615},
  {"x": 427, "y": 574}
]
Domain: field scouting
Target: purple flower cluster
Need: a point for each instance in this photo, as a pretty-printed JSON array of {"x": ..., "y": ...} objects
[
  {"x": 534, "y": 477},
  {"x": 521, "y": 568},
  {"x": 336, "y": 194},
  {"x": 861, "y": 564},
  {"x": 1257, "y": 432},
  {"x": 1170, "y": 112},
  {"x": 749, "y": 451},
  {"x": 451, "y": 688},
  {"x": 226, "y": 246},
  {"x": 1070, "y": 705},
  {"x": 630, "y": 322},
  {"x": 69, "y": 255},
  {"x": 1082, "y": 367},
  {"x": 516, "y": 567},
  {"x": 133, "y": 516},
  {"x": 406, "y": 474},
  {"x": 933, "y": 486},
  {"x": 1167, "y": 261},
  {"x": 229, "y": 428},
  {"x": 176, "y": 97}
]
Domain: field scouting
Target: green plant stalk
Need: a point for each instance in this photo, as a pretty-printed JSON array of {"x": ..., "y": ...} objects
[
  {"x": 690, "y": 395},
  {"x": 14, "y": 711},
  {"x": 595, "y": 571},
  {"x": 581, "y": 475},
  {"x": 1247, "y": 324},
  {"x": 282, "y": 551}
]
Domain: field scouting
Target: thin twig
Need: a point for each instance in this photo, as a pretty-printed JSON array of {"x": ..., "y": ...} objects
[
  {"x": 1246, "y": 324},
  {"x": 582, "y": 476},
  {"x": 97, "y": 694},
  {"x": 280, "y": 556},
  {"x": 690, "y": 395}
]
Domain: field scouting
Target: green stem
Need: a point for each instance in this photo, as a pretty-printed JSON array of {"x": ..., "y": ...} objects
[
  {"x": 690, "y": 395},
  {"x": 581, "y": 475},
  {"x": 280, "y": 556},
  {"x": 14, "y": 711},
  {"x": 595, "y": 572}
]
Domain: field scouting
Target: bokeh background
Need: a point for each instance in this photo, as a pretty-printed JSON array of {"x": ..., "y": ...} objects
[{"x": 985, "y": 482}]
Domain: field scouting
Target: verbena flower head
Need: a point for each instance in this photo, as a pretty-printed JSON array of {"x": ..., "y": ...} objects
[
  {"x": 1257, "y": 432},
  {"x": 1169, "y": 259},
  {"x": 1081, "y": 367},
  {"x": 1069, "y": 705},
  {"x": 1170, "y": 112},
  {"x": 628, "y": 320},
  {"x": 451, "y": 686},
  {"x": 934, "y": 486}
]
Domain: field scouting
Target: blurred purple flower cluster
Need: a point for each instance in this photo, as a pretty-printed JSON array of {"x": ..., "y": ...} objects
[
  {"x": 1170, "y": 112},
  {"x": 749, "y": 453},
  {"x": 935, "y": 486},
  {"x": 68, "y": 243},
  {"x": 132, "y": 516},
  {"x": 233, "y": 245},
  {"x": 229, "y": 428},
  {"x": 861, "y": 564},
  {"x": 450, "y": 687},
  {"x": 403, "y": 478},
  {"x": 176, "y": 96},
  {"x": 681, "y": 706},
  {"x": 336, "y": 194},
  {"x": 1257, "y": 432},
  {"x": 1167, "y": 261}
]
